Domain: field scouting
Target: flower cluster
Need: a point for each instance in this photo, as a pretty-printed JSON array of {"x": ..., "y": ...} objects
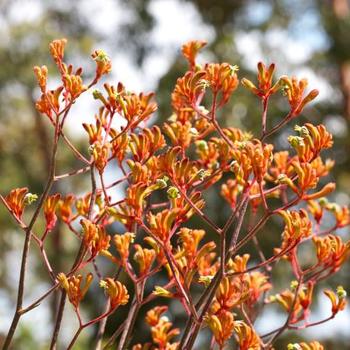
[{"x": 153, "y": 227}]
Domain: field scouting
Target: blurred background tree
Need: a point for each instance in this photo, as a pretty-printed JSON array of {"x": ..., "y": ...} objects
[{"x": 143, "y": 37}]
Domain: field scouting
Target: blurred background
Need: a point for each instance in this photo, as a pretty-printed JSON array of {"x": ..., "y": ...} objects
[{"x": 306, "y": 38}]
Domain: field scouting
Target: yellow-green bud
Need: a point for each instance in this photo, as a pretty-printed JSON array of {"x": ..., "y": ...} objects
[
  {"x": 323, "y": 201},
  {"x": 162, "y": 292},
  {"x": 272, "y": 298},
  {"x": 293, "y": 285},
  {"x": 341, "y": 292},
  {"x": 241, "y": 144},
  {"x": 234, "y": 68},
  {"x": 162, "y": 183},
  {"x": 103, "y": 284},
  {"x": 332, "y": 206},
  {"x": 205, "y": 280},
  {"x": 281, "y": 179},
  {"x": 30, "y": 198},
  {"x": 202, "y": 174},
  {"x": 102, "y": 56},
  {"x": 302, "y": 130},
  {"x": 172, "y": 118},
  {"x": 296, "y": 141},
  {"x": 173, "y": 192},
  {"x": 202, "y": 145},
  {"x": 97, "y": 94},
  {"x": 204, "y": 83}
]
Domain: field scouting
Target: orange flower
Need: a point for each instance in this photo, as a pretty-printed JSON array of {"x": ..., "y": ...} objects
[
  {"x": 324, "y": 191},
  {"x": 185, "y": 172},
  {"x": 251, "y": 156},
  {"x": 100, "y": 152},
  {"x": 235, "y": 134},
  {"x": 83, "y": 204},
  {"x": 136, "y": 108},
  {"x": 73, "y": 85},
  {"x": 48, "y": 102},
  {"x": 239, "y": 263},
  {"x": 145, "y": 174},
  {"x": 260, "y": 155},
  {"x": 116, "y": 291},
  {"x": 315, "y": 209},
  {"x": 305, "y": 295},
  {"x": 94, "y": 131},
  {"x": 338, "y": 301},
  {"x": 144, "y": 257},
  {"x": 285, "y": 299},
  {"x": 188, "y": 89},
  {"x": 208, "y": 153},
  {"x": 222, "y": 326},
  {"x": 50, "y": 207},
  {"x": 342, "y": 216},
  {"x": 222, "y": 78},
  {"x": 114, "y": 101},
  {"x": 146, "y": 143},
  {"x": 207, "y": 267},
  {"x": 146, "y": 346},
  {"x": 312, "y": 140},
  {"x": 162, "y": 333},
  {"x": 190, "y": 51},
  {"x": 103, "y": 63},
  {"x": 294, "y": 90},
  {"x": 162, "y": 222},
  {"x": 314, "y": 345},
  {"x": 124, "y": 214},
  {"x": 57, "y": 49},
  {"x": 301, "y": 304},
  {"x": 331, "y": 251},
  {"x": 179, "y": 133},
  {"x": 41, "y": 76},
  {"x": 16, "y": 200},
  {"x": 95, "y": 237},
  {"x": 247, "y": 338},
  {"x": 120, "y": 143},
  {"x": 322, "y": 169},
  {"x": 122, "y": 244},
  {"x": 186, "y": 210},
  {"x": 136, "y": 195},
  {"x": 280, "y": 166},
  {"x": 214, "y": 154},
  {"x": 190, "y": 240},
  {"x": 258, "y": 284},
  {"x": 204, "y": 253},
  {"x": 188, "y": 257},
  {"x": 307, "y": 179},
  {"x": 65, "y": 208},
  {"x": 298, "y": 226},
  {"x": 341, "y": 213},
  {"x": 74, "y": 288},
  {"x": 265, "y": 87},
  {"x": 230, "y": 191},
  {"x": 153, "y": 315},
  {"x": 231, "y": 292}
]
